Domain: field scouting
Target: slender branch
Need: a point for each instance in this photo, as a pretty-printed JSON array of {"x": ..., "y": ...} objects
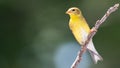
[{"x": 92, "y": 33}]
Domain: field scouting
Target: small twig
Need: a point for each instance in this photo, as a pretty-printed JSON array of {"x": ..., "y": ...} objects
[{"x": 92, "y": 33}]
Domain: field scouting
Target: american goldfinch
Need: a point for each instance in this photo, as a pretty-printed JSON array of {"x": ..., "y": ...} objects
[{"x": 80, "y": 30}]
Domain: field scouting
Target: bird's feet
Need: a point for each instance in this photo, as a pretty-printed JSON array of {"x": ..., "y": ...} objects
[{"x": 93, "y": 29}]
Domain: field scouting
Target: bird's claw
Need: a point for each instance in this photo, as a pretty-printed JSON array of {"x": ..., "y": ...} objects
[{"x": 93, "y": 29}]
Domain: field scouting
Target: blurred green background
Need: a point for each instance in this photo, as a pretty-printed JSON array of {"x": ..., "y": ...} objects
[{"x": 35, "y": 33}]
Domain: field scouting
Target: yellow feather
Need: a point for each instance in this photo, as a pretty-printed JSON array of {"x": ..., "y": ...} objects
[
  {"x": 80, "y": 30},
  {"x": 77, "y": 22}
]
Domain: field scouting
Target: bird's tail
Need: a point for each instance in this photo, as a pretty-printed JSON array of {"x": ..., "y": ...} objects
[{"x": 93, "y": 52}]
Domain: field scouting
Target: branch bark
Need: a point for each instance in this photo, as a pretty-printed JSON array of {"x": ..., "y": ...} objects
[{"x": 92, "y": 33}]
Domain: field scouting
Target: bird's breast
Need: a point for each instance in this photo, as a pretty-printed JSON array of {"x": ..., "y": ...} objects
[{"x": 78, "y": 31}]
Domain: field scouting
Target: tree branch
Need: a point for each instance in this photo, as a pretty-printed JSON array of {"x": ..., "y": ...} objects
[{"x": 92, "y": 33}]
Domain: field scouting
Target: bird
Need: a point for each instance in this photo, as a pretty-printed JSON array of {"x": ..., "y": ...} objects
[{"x": 80, "y": 30}]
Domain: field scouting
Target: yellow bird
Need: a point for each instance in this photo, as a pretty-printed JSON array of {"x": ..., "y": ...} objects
[{"x": 80, "y": 30}]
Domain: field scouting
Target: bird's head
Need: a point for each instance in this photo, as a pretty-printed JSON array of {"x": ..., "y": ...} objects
[{"x": 73, "y": 11}]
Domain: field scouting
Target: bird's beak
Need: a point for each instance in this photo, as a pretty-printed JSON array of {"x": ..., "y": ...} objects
[{"x": 67, "y": 12}]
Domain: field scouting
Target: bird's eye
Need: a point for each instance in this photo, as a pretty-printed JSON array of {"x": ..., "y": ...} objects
[{"x": 73, "y": 9}]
